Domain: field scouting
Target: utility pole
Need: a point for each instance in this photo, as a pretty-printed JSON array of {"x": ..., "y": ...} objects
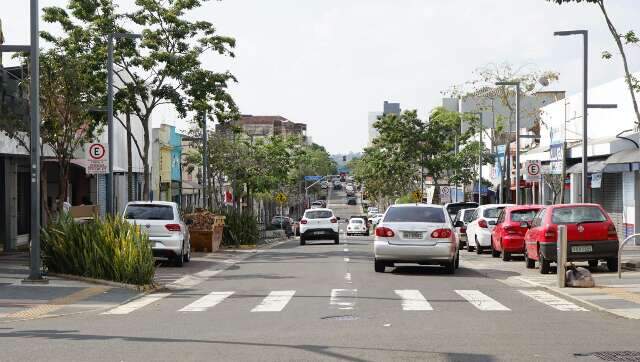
[
  {"x": 517, "y": 160},
  {"x": 205, "y": 161}
]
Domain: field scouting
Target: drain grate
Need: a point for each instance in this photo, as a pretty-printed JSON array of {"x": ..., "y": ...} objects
[
  {"x": 340, "y": 317},
  {"x": 615, "y": 356}
]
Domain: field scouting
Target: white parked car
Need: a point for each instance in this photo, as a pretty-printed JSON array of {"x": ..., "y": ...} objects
[
  {"x": 372, "y": 211},
  {"x": 319, "y": 224},
  {"x": 460, "y": 222},
  {"x": 483, "y": 221},
  {"x": 357, "y": 226},
  {"x": 415, "y": 233},
  {"x": 375, "y": 220},
  {"x": 162, "y": 221}
]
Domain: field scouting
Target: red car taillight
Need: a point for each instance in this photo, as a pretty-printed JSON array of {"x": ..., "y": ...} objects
[
  {"x": 384, "y": 232},
  {"x": 611, "y": 233},
  {"x": 463, "y": 229},
  {"x": 441, "y": 233},
  {"x": 173, "y": 227},
  {"x": 483, "y": 223},
  {"x": 334, "y": 220},
  {"x": 303, "y": 221},
  {"x": 550, "y": 235}
]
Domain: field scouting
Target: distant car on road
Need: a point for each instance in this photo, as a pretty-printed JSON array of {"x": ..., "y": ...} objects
[
  {"x": 357, "y": 226},
  {"x": 460, "y": 222},
  {"x": 591, "y": 236},
  {"x": 283, "y": 222},
  {"x": 318, "y": 204},
  {"x": 482, "y": 223},
  {"x": 372, "y": 211},
  {"x": 162, "y": 221},
  {"x": 415, "y": 233},
  {"x": 337, "y": 185},
  {"x": 319, "y": 224},
  {"x": 351, "y": 200},
  {"x": 508, "y": 236}
]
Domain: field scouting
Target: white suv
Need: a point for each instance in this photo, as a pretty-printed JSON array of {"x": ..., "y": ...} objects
[
  {"x": 168, "y": 234},
  {"x": 319, "y": 224}
]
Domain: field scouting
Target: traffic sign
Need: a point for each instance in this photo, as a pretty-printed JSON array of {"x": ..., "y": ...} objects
[
  {"x": 416, "y": 196},
  {"x": 281, "y": 198},
  {"x": 98, "y": 157},
  {"x": 533, "y": 169},
  {"x": 445, "y": 194},
  {"x": 313, "y": 178}
]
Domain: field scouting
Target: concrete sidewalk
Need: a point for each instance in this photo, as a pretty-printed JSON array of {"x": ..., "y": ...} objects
[{"x": 59, "y": 297}]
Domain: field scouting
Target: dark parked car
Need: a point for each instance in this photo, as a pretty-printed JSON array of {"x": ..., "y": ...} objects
[
  {"x": 351, "y": 200},
  {"x": 454, "y": 207}
]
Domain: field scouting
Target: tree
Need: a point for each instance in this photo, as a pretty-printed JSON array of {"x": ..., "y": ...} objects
[
  {"x": 164, "y": 69},
  {"x": 630, "y": 37}
]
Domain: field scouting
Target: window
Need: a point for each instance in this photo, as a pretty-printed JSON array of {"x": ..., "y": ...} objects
[
  {"x": 523, "y": 215},
  {"x": 356, "y": 221},
  {"x": 415, "y": 214},
  {"x": 500, "y": 217},
  {"x": 149, "y": 212},
  {"x": 579, "y": 214},
  {"x": 537, "y": 220},
  {"x": 474, "y": 216},
  {"x": 492, "y": 213},
  {"x": 468, "y": 215},
  {"x": 320, "y": 214}
]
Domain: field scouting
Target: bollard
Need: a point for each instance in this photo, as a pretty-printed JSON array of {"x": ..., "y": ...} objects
[{"x": 562, "y": 256}]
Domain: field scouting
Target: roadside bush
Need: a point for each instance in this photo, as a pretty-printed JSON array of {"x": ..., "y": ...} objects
[
  {"x": 109, "y": 249},
  {"x": 240, "y": 227}
]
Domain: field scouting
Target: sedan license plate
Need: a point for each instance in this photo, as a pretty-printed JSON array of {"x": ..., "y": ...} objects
[
  {"x": 412, "y": 235},
  {"x": 582, "y": 249},
  {"x": 318, "y": 232}
]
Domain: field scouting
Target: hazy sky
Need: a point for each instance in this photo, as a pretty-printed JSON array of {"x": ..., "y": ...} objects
[{"x": 328, "y": 63}]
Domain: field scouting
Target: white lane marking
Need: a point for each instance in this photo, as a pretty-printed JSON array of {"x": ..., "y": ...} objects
[
  {"x": 481, "y": 301},
  {"x": 346, "y": 250},
  {"x": 137, "y": 303},
  {"x": 191, "y": 280},
  {"x": 553, "y": 301},
  {"x": 412, "y": 299},
  {"x": 275, "y": 301},
  {"x": 347, "y": 259},
  {"x": 343, "y": 298},
  {"x": 206, "y": 302},
  {"x": 347, "y": 277}
]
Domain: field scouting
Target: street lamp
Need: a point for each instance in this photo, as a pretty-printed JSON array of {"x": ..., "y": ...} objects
[
  {"x": 479, "y": 114},
  {"x": 111, "y": 37},
  {"x": 35, "y": 273},
  {"x": 585, "y": 103},
  {"x": 517, "y": 85}
]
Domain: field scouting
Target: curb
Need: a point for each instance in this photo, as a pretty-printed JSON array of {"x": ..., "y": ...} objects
[{"x": 148, "y": 288}]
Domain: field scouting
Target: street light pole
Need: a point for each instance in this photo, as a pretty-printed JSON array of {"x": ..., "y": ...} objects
[
  {"x": 205, "y": 161},
  {"x": 110, "y": 40},
  {"x": 517, "y": 162},
  {"x": 480, "y": 161}
]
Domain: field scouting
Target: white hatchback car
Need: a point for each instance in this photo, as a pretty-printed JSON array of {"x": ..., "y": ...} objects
[
  {"x": 168, "y": 233},
  {"x": 357, "y": 226},
  {"x": 415, "y": 233},
  {"x": 319, "y": 224},
  {"x": 483, "y": 221}
]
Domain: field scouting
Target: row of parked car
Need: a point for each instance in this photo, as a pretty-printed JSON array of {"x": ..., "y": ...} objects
[{"x": 532, "y": 230}]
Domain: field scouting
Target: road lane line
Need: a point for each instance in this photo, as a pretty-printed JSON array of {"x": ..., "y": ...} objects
[
  {"x": 275, "y": 301},
  {"x": 553, "y": 301},
  {"x": 347, "y": 259},
  {"x": 346, "y": 250},
  {"x": 347, "y": 277},
  {"x": 137, "y": 304},
  {"x": 206, "y": 302},
  {"x": 412, "y": 299},
  {"x": 481, "y": 301},
  {"x": 343, "y": 298}
]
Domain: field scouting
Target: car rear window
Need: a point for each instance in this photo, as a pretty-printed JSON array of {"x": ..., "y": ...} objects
[
  {"x": 357, "y": 221},
  {"x": 574, "y": 215},
  {"x": 320, "y": 214},
  {"x": 492, "y": 213},
  {"x": 415, "y": 214},
  {"x": 523, "y": 215},
  {"x": 453, "y": 209},
  {"x": 149, "y": 212},
  {"x": 468, "y": 214}
]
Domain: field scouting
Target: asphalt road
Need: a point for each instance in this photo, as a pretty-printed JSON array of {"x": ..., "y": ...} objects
[{"x": 325, "y": 302}]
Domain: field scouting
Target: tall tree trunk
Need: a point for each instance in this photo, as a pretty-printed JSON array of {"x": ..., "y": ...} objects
[
  {"x": 627, "y": 74},
  {"x": 130, "y": 187}
]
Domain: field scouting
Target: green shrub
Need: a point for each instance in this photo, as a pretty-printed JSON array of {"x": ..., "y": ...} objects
[
  {"x": 240, "y": 227},
  {"x": 109, "y": 249}
]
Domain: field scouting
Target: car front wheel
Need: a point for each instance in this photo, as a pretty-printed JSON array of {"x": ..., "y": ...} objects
[{"x": 379, "y": 266}]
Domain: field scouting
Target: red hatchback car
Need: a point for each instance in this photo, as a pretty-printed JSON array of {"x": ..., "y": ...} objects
[
  {"x": 591, "y": 236},
  {"x": 508, "y": 236}
]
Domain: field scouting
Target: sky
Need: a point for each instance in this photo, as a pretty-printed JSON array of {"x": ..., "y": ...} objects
[{"x": 327, "y": 63}]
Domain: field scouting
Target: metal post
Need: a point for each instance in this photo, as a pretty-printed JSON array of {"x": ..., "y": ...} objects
[
  {"x": 205, "y": 162},
  {"x": 518, "y": 143},
  {"x": 109, "y": 205},
  {"x": 562, "y": 255},
  {"x": 480, "y": 162},
  {"x": 35, "y": 273},
  {"x": 585, "y": 161}
]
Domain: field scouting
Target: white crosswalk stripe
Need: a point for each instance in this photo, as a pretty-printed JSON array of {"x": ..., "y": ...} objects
[
  {"x": 206, "y": 302},
  {"x": 137, "y": 304},
  {"x": 343, "y": 298},
  {"x": 553, "y": 301},
  {"x": 412, "y": 299},
  {"x": 275, "y": 301},
  {"x": 481, "y": 301}
]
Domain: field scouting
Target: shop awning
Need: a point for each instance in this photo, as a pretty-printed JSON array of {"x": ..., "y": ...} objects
[
  {"x": 592, "y": 167},
  {"x": 626, "y": 156}
]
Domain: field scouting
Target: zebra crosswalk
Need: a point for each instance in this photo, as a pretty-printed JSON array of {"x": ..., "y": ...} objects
[{"x": 408, "y": 300}]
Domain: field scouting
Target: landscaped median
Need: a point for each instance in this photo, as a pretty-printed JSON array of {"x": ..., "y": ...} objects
[{"x": 107, "y": 249}]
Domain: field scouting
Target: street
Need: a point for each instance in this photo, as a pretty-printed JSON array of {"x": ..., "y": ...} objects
[{"x": 324, "y": 301}]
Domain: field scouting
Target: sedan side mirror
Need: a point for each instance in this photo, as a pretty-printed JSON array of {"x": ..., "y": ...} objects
[
  {"x": 459, "y": 224},
  {"x": 493, "y": 223}
]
